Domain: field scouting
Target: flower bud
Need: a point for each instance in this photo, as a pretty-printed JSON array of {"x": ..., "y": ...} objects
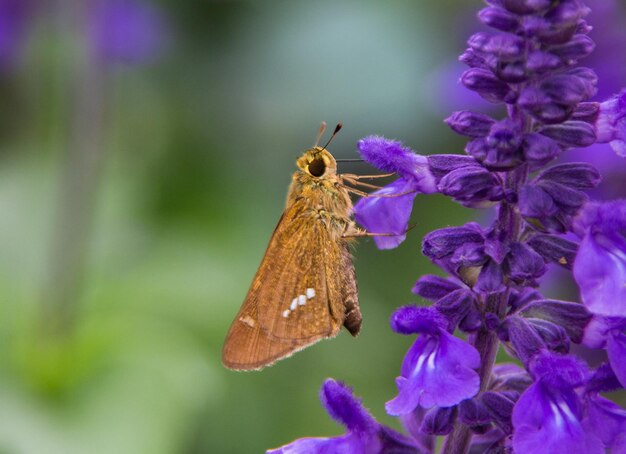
[
  {"x": 538, "y": 149},
  {"x": 573, "y": 317},
  {"x": 433, "y": 287},
  {"x": 486, "y": 84},
  {"x": 554, "y": 336},
  {"x": 500, "y": 408},
  {"x": 524, "y": 339},
  {"x": 505, "y": 46},
  {"x": 571, "y": 133},
  {"x": 473, "y": 413},
  {"x": 573, "y": 50},
  {"x": 554, "y": 249},
  {"x": 439, "y": 420},
  {"x": 471, "y": 124},
  {"x": 576, "y": 175},
  {"x": 499, "y": 18},
  {"x": 526, "y": 6}
]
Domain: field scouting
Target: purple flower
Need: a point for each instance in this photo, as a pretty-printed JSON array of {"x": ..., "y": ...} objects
[
  {"x": 611, "y": 123},
  {"x": 548, "y": 416},
  {"x": 128, "y": 31},
  {"x": 600, "y": 266},
  {"x": 387, "y": 210},
  {"x": 365, "y": 434},
  {"x": 14, "y": 15},
  {"x": 438, "y": 370}
]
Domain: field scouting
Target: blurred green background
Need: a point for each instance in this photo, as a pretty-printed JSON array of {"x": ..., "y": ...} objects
[{"x": 145, "y": 152}]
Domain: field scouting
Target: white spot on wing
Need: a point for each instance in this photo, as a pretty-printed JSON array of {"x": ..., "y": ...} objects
[
  {"x": 294, "y": 303},
  {"x": 248, "y": 321},
  {"x": 310, "y": 293},
  {"x": 301, "y": 300},
  {"x": 286, "y": 313}
]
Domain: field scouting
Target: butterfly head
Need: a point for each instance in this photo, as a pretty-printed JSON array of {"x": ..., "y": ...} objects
[{"x": 317, "y": 162}]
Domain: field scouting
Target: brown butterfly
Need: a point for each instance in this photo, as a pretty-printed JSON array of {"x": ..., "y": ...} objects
[{"x": 305, "y": 288}]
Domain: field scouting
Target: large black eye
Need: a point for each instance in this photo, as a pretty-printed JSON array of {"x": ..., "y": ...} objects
[{"x": 317, "y": 167}]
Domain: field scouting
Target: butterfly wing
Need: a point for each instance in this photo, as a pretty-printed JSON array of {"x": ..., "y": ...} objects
[{"x": 299, "y": 295}]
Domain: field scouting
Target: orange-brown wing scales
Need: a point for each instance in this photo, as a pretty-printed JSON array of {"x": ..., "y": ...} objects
[{"x": 297, "y": 296}]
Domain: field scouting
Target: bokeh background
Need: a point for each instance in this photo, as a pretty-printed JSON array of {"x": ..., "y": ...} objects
[{"x": 145, "y": 152}]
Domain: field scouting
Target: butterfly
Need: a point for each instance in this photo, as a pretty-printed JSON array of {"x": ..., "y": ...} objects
[{"x": 305, "y": 289}]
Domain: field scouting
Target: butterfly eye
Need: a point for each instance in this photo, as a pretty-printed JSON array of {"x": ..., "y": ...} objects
[{"x": 317, "y": 167}]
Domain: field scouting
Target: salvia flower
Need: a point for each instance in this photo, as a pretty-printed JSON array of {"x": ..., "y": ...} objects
[
  {"x": 439, "y": 369},
  {"x": 528, "y": 62},
  {"x": 364, "y": 434}
]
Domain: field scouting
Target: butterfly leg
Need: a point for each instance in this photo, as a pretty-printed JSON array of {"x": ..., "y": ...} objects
[
  {"x": 365, "y": 194},
  {"x": 355, "y": 232},
  {"x": 353, "y": 176}
]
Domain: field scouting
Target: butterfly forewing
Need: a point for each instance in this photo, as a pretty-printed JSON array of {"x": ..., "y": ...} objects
[
  {"x": 305, "y": 288},
  {"x": 294, "y": 301},
  {"x": 306, "y": 298}
]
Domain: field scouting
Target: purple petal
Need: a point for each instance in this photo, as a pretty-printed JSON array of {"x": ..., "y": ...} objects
[
  {"x": 130, "y": 31},
  {"x": 345, "y": 444},
  {"x": 388, "y": 215},
  {"x": 600, "y": 266},
  {"x": 607, "y": 420},
  {"x": 596, "y": 332},
  {"x": 412, "y": 320},
  {"x": 546, "y": 420},
  {"x": 616, "y": 349},
  {"x": 345, "y": 408},
  {"x": 611, "y": 123},
  {"x": 437, "y": 370},
  {"x": 559, "y": 371},
  {"x": 393, "y": 156},
  {"x": 601, "y": 273}
]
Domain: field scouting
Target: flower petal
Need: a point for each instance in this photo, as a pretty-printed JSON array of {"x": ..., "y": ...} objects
[
  {"x": 616, "y": 348},
  {"x": 601, "y": 275},
  {"x": 547, "y": 420},
  {"x": 345, "y": 444},
  {"x": 437, "y": 370},
  {"x": 388, "y": 215},
  {"x": 393, "y": 156},
  {"x": 607, "y": 420},
  {"x": 345, "y": 408}
]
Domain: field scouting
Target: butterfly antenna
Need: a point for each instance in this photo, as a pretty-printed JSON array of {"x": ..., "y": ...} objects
[
  {"x": 337, "y": 129},
  {"x": 319, "y": 133}
]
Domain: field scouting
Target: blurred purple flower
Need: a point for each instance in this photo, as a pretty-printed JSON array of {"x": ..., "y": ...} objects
[
  {"x": 365, "y": 435},
  {"x": 439, "y": 369},
  {"x": 600, "y": 266},
  {"x": 127, "y": 31},
  {"x": 14, "y": 18}
]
